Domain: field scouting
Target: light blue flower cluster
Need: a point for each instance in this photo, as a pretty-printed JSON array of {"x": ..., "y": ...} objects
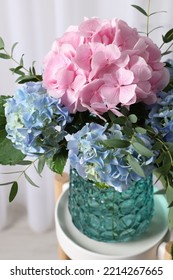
[
  {"x": 98, "y": 163},
  {"x": 35, "y": 121},
  {"x": 161, "y": 115}
]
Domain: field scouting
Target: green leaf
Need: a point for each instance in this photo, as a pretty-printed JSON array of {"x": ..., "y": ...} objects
[
  {"x": 41, "y": 164},
  {"x": 58, "y": 161},
  {"x": 142, "y": 150},
  {"x": 164, "y": 169},
  {"x": 13, "y": 192},
  {"x": 17, "y": 70},
  {"x": 170, "y": 205},
  {"x": 169, "y": 194},
  {"x": 157, "y": 145},
  {"x": 29, "y": 78},
  {"x": 170, "y": 147},
  {"x": 160, "y": 192},
  {"x": 21, "y": 60},
  {"x": 2, "y": 135},
  {"x": 2, "y": 112},
  {"x": 170, "y": 218},
  {"x": 133, "y": 118},
  {"x": 13, "y": 47},
  {"x": 161, "y": 179},
  {"x": 116, "y": 143},
  {"x": 168, "y": 37},
  {"x": 128, "y": 131},
  {"x": 1, "y": 44},
  {"x": 8, "y": 154},
  {"x": 30, "y": 180},
  {"x": 159, "y": 12},
  {"x": 5, "y": 56},
  {"x": 141, "y": 10},
  {"x": 120, "y": 120},
  {"x": 166, "y": 53},
  {"x": 112, "y": 116},
  {"x": 140, "y": 130},
  {"x": 158, "y": 27},
  {"x": 59, "y": 164},
  {"x": 101, "y": 185},
  {"x": 25, "y": 162},
  {"x": 12, "y": 172},
  {"x": 135, "y": 165},
  {"x": 6, "y": 184}
]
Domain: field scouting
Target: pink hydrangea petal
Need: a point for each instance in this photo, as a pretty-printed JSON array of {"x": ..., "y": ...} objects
[
  {"x": 105, "y": 35},
  {"x": 97, "y": 103},
  {"x": 143, "y": 90},
  {"x": 67, "y": 51},
  {"x": 116, "y": 112},
  {"x": 64, "y": 78},
  {"x": 140, "y": 46},
  {"x": 90, "y": 26},
  {"x": 72, "y": 38},
  {"x": 110, "y": 95},
  {"x": 150, "y": 99},
  {"x": 125, "y": 36},
  {"x": 142, "y": 72},
  {"x": 112, "y": 52},
  {"x": 127, "y": 95},
  {"x": 49, "y": 74},
  {"x": 123, "y": 60},
  {"x": 88, "y": 91},
  {"x": 98, "y": 62},
  {"x": 153, "y": 50},
  {"x": 160, "y": 79},
  {"x": 79, "y": 81},
  {"x": 124, "y": 77},
  {"x": 83, "y": 56}
]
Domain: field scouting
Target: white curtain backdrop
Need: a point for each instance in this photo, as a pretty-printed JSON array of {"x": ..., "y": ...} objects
[{"x": 35, "y": 24}]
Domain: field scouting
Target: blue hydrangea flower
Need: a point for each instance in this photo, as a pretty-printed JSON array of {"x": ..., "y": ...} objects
[
  {"x": 35, "y": 121},
  {"x": 94, "y": 161},
  {"x": 161, "y": 115}
]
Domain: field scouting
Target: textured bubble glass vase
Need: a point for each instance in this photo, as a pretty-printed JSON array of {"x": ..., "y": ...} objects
[{"x": 107, "y": 215}]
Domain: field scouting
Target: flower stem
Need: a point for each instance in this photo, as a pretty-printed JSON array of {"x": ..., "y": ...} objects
[
  {"x": 169, "y": 48},
  {"x": 148, "y": 17}
]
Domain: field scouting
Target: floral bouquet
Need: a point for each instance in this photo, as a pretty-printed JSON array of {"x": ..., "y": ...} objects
[{"x": 104, "y": 101}]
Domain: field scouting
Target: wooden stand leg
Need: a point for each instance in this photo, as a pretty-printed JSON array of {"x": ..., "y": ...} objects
[
  {"x": 59, "y": 181},
  {"x": 168, "y": 249}
]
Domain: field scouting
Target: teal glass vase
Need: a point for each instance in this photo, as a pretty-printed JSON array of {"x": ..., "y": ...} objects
[{"x": 106, "y": 215}]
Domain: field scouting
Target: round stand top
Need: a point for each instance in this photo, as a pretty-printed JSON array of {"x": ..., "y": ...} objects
[{"x": 80, "y": 247}]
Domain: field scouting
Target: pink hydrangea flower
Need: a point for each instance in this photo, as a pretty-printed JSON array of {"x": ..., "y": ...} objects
[{"x": 101, "y": 65}]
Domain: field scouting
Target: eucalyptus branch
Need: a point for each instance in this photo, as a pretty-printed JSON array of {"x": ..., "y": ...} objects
[
  {"x": 14, "y": 60},
  {"x": 24, "y": 73}
]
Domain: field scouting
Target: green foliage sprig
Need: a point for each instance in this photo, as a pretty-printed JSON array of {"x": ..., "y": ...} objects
[
  {"x": 24, "y": 74},
  {"x": 167, "y": 38}
]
